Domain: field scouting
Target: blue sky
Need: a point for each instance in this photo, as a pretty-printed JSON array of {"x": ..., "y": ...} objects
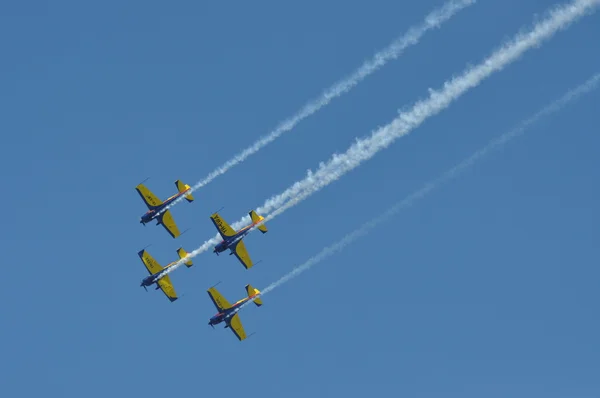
[{"x": 486, "y": 286}]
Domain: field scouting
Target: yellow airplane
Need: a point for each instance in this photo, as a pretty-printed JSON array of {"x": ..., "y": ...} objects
[
  {"x": 156, "y": 207},
  {"x": 229, "y": 313},
  {"x": 232, "y": 240},
  {"x": 158, "y": 274}
]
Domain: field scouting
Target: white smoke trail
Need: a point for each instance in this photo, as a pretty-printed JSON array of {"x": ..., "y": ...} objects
[
  {"x": 559, "y": 18},
  {"x": 391, "y": 52},
  {"x": 572, "y": 95},
  {"x": 366, "y": 148}
]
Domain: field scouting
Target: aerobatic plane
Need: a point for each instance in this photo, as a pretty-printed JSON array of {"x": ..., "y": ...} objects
[
  {"x": 155, "y": 207},
  {"x": 229, "y": 313},
  {"x": 158, "y": 275},
  {"x": 232, "y": 240}
]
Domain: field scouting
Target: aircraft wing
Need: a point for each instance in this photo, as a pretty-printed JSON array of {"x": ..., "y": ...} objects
[
  {"x": 151, "y": 264},
  {"x": 242, "y": 254},
  {"x": 218, "y": 300},
  {"x": 224, "y": 229},
  {"x": 166, "y": 219},
  {"x": 236, "y": 327},
  {"x": 148, "y": 197},
  {"x": 167, "y": 287}
]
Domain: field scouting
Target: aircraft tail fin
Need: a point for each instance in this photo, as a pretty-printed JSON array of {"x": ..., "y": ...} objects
[
  {"x": 182, "y": 253},
  {"x": 181, "y": 187},
  {"x": 252, "y": 291},
  {"x": 256, "y": 218}
]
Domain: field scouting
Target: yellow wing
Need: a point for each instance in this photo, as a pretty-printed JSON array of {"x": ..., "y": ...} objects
[
  {"x": 242, "y": 254},
  {"x": 236, "y": 327},
  {"x": 151, "y": 264},
  {"x": 148, "y": 197},
  {"x": 217, "y": 298},
  {"x": 166, "y": 219},
  {"x": 167, "y": 287},
  {"x": 224, "y": 229}
]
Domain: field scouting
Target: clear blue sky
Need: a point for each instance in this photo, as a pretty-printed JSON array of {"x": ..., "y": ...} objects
[{"x": 487, "y": 287}]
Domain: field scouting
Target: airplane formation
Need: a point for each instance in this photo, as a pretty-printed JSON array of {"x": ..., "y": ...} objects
[
  {"x": 362, "y": 150},
  {"x": 232, "y": 240}
]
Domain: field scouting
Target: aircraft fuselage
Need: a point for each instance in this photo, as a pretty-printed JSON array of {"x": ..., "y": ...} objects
[
  {"x": 232, "y": 240},
  {"x": 154, "y": 278},
  {"x": 153, "y": 213},
  {"x": 228, "y": 313}
]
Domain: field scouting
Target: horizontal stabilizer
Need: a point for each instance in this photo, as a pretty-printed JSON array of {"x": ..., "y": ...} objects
[
  {"x": 256, "y": 218},
  {"x": 182, "y": 253},
  {"x": 181, "y": 187},
  {"x": 252, "y": 291}
]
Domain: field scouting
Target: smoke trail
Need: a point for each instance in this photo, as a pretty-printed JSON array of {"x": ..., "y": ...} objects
[
  {"x": 391, "y": 52},
  {"x": 497, "y": 143},
  {"x": 366, "y": 148},
  {"x": 559, "y": 18}
]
